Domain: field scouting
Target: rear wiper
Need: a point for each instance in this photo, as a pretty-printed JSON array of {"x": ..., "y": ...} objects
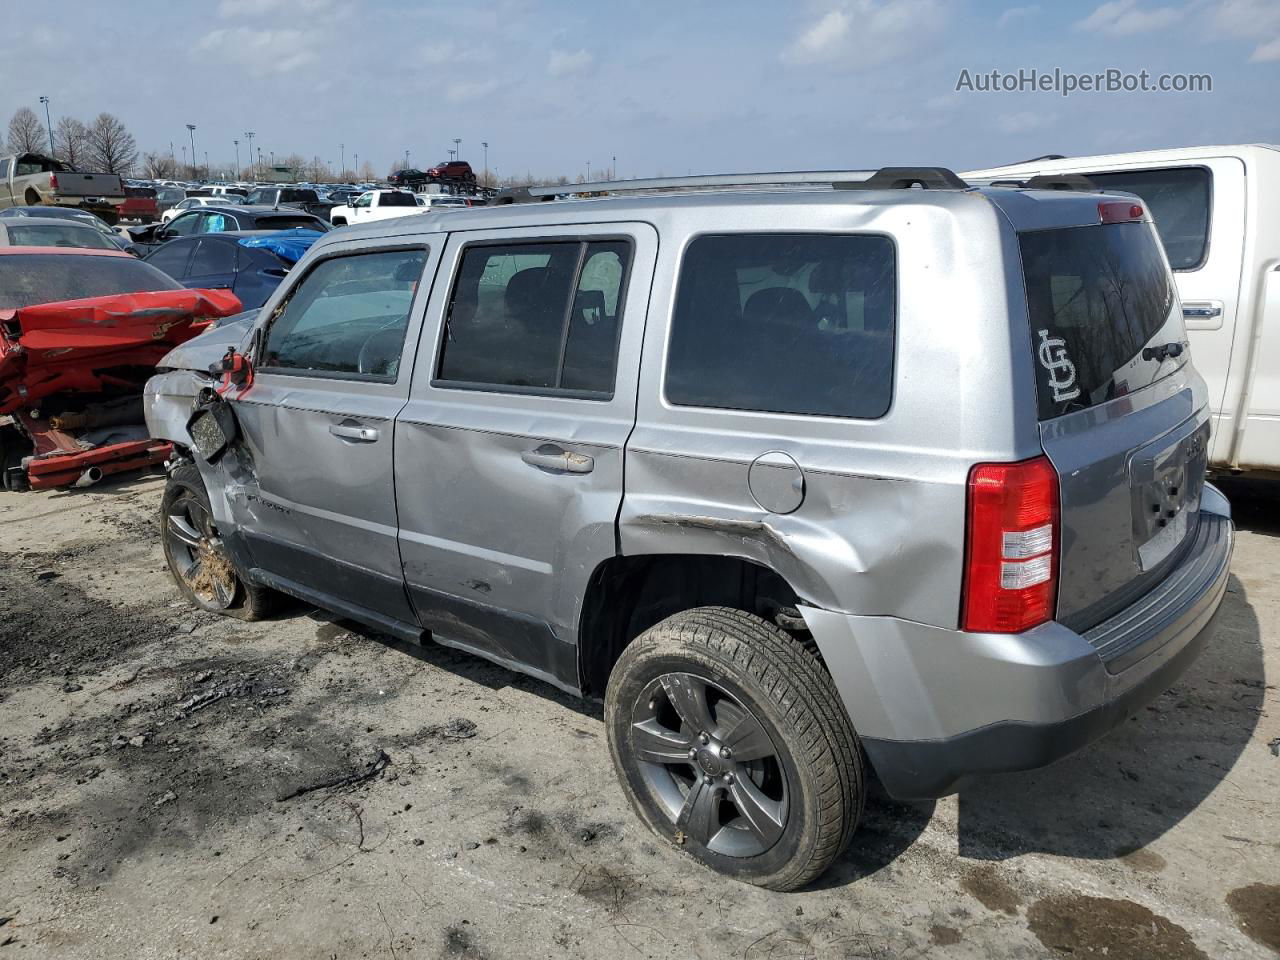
[{"x": 1163, "y": 351}]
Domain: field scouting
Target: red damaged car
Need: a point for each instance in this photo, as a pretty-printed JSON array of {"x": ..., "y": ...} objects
[{"x": 80, "y": 333}]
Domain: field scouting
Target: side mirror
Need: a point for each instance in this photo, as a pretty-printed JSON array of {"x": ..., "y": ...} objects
[{"x": 144, "y": 234}]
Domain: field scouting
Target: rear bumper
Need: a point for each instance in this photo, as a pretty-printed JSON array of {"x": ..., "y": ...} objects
[{"x": 934, "y": 706}]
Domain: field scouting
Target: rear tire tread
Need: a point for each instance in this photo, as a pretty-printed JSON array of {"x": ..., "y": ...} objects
[{"x": 796, "y": 682}]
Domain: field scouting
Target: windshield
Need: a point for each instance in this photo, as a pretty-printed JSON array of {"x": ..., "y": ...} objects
[
  {"x": 31, "y": 278},
  {"x": 1103, "y": 314},
  {"x": 48, "y": 234}
]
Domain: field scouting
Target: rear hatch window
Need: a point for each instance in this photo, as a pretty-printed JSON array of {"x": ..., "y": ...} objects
[
  {"x": 27, "y": 279},
  {"x": 1104, "y": 315},
  {"x": 1106, "y": 325}
]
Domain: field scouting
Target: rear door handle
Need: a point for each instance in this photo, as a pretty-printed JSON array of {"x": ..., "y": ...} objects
[
  {"x": 1202, "y": 314},
  {"x": 353, "y": 431},
  {"x": 551, "y": 457}
]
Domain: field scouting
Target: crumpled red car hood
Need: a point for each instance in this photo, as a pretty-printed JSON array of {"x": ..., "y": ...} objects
[{"x": 89, "y": 345}]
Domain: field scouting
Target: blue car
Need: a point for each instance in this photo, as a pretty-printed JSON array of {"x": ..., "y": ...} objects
[{"x": 250, "y": 263}]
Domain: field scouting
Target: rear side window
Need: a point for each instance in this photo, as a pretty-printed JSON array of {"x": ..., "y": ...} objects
[
  {"x": 394, "y": 199},
  {"x": 543, "y": 316},
  {"x": 1102, "y": 310},
  {"x": 1179, "y": 199},
  {"x": 347, "y": 317},
  {"x": 57, "y": 235},
  {"x": 289, "y": 223},
  {"x": 785, "y": 323}
]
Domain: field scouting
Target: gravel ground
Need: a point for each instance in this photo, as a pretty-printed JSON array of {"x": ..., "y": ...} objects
[{"x": 178, "y": 785}]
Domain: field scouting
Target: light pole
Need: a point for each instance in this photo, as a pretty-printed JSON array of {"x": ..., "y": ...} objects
[
  {"x": 191, "y": 131},
  {"x": 184, "y": 155},
  {"x": 356, "y": 164},
  {"x": 237, "y": 143},
  {"x": 248, "y": 135},
  {"x": 342, "y": 160},
  {"x": 588, "y": 171},
  {"x": 206, "y": 164},
  {"x": 406, "y": 159},
  {"x": 48, "y": 123},
  {"x": 485, "y": 144},
  {"x": 457, "y": 148}
]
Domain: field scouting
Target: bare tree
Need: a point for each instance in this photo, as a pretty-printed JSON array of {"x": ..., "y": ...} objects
[
  {"x": 26, "y": 133},
  {"x": 158, "y": 166},
  {"x": 368, "y": 172},
  {"x": 296, "y": 163},
  {"x": 111, "y": 146},
  {"x": 71, "y": 141}
]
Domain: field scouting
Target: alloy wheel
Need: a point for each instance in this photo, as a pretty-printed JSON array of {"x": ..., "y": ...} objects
[
  {"x": 710, "y": 764},
  {"x": 199, "y": 555}
]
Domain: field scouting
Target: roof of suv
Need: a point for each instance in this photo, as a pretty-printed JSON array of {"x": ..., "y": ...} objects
[{"x": 1026, "y": 208}]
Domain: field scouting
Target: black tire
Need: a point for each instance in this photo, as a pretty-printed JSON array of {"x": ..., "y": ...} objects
[
  {"x": 207, "y": 576},
  {"x": 13, "y": 447},
  {"x": 813, "y": 782}
]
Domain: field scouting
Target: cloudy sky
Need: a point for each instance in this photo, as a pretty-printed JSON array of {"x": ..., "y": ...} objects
[{"x": 666, "y": 87}]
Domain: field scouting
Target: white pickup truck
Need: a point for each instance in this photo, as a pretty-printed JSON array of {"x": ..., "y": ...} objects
[
  {"x": 375, "y": 205},
  {"x": 29, "y": 180},
  {"x": 1218, "y": 213}
]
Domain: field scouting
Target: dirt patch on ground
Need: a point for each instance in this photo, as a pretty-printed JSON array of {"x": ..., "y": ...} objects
[
  {"x": 1257, "y": 910},
  {"x": 1072, "y": 925},
  {"x": 435, "y": 804},
  {"x": 989, "y": 887},
  {"x": 49, "y": 627},
  {"x": 941, "y": 936},
  {"x": 1145, "y": 860}
]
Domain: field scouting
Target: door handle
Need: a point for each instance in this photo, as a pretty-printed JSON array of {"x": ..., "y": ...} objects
[
  {"x": 349, "y": 431},
  {"x": 1202, "y": 314},
  {"x": 551, "y": 457}
]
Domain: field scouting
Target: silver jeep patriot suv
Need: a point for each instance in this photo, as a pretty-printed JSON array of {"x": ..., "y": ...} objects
[{"x": 802, "y": 475}]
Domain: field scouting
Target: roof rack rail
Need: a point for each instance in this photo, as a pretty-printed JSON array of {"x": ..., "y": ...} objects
[
  {"x": 888, "y": 178},
  {"x": 905, "y": 178},
  {"x": 701, "y": 182}
]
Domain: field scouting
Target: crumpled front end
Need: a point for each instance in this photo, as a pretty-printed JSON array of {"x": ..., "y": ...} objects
[{"x": 72, "y": 376}]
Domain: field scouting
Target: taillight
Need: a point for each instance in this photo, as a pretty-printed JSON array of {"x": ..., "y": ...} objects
[
  {"x": 53, "y": 181},
  {"x": 1011, "y": 550},
  {"x": 1119, "y": 211}
]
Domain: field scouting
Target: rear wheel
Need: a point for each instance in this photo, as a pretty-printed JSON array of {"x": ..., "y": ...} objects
[
  {"x": 197, "y": 556},
  {"x": 729, "y": 739}
]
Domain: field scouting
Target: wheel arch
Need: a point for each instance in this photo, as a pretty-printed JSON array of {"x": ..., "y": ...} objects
[{"x": 626, "y": 595}]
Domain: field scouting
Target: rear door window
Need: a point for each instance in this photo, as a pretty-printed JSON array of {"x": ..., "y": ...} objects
[
  {"x": 172, "y": 258},
  {"x": 395, "y": 199},
  {"x": 1179, "y": 199},
  {"x": 213, "y": 257},
  {"x": 538, "y": 316},
  {"x": 1103, "y": 310},
  {"x": 785, "y": 323}
]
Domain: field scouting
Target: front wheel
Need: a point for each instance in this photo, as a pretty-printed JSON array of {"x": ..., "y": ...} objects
[
  {"x": 731, "y": 741},
  {"x": 196, "y": 555}
]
